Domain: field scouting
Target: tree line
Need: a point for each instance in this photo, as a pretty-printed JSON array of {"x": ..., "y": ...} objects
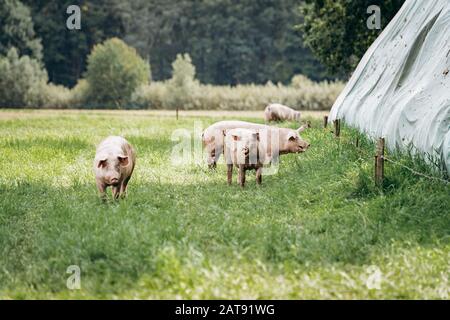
[{"x": 229, "y": 41}]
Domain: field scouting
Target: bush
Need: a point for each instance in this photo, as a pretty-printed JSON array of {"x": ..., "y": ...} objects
[
  {"x": 182, "y": 85},
  {"x": 79, "y": 94},
  {"x": 185, "y": 92},
  {"x": 153, "y": 96},
  {"x": 302, "y": 94},
  {"x": 114, "y": 72},
  {"x": 55, "y": 96},
  {"x": 300, "y": 81},
  {"x": 22, "y": 81}
]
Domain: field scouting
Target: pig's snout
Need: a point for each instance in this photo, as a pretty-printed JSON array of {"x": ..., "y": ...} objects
[
  {"x": 112, "y": 180},
  {"x": 303, "y": 147}
]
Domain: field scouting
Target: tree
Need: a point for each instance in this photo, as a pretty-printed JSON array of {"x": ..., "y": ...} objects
[
  {"x": 22, "y": 80},
  {"x": 114, "y": 72},
  {"x": 17, "y": 30},
  {"x": 230, "y": 42},
  {"x": 66, "y": 51},
  {"x": 337, "y": 33},
  {"x": 183, "y": 82}
]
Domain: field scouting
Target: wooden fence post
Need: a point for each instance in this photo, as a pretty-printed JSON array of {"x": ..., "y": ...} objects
[
  {"x": 337, "y": 127},
  {"x": 379, "y": 163},
  {"x": 325, "y": 121},
  {"x": 177, "y": 113}
]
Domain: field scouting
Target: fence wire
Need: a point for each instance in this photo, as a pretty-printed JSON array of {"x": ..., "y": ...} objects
[{"x": 414, "y": 171}]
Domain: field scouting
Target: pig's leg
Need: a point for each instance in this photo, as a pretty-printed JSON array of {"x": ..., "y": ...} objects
[
  {"x": 214, "y": 153},
  {"x": 230, "y": 173},
  {"x": 102, "y": 190},
  {"x": 123, "y": 187},
  {"x": 211, "y": 156},
  {"x": 241, "y": 175},
  {"x": 259, "y": 175},
  {"x": 115, "y": 191}
]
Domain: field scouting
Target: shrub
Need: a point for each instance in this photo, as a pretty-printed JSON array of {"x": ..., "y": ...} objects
[
  {"x": 302, "y": 94},
  {"x": 185, "y": 92},
  {"x": 79, "y": 94},
  {"x": 114, "y": 72},
  {"x": 299, "y": 81},
  {"x": 182, "y": 85},
  {"x": 22, "y": 81},
  {"x": 55, "y": 96},
  {"x": 153, "y": 96}
]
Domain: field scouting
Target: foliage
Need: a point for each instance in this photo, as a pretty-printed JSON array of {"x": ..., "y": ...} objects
[
  {"x": 230, "y": 42},
  {"x": 17, "y": 30},
  {"x": 22, "y": 80},
  {"x": 183, "y": 83},
  {"x": 66, "y": 51},
  {"x": 337, "y": 33},
  {"x": 114, "y": 72},
  {"x": 56, "y": 96},
  {"x": 303, "y": 94},
  {"x": 306, "y": 233}
]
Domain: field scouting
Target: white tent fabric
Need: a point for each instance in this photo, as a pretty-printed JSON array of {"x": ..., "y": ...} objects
[{"x": 401, "y": 88}]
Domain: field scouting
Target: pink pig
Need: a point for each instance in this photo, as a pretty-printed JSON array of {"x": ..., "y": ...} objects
[{"x": 113, "y": 165}]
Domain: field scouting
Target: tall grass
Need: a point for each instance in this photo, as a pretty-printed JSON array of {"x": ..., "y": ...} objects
[
  {"x": 304, "y": 95},
  {"x": 301, "y": 95}
]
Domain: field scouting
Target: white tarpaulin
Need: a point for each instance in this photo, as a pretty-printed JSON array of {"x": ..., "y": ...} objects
[{"x": 401, "y": 88}]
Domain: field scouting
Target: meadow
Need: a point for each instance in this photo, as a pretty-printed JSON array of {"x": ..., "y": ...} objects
[{"x": 317, "y": 229}]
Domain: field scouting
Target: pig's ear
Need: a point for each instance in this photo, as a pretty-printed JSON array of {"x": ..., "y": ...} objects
[
  {"x": 123, "y": 160},
  {"x": 236, "y": 138},
  {"x": 292, "y": 136},
  {"x": 303, "y": 128},
  {"x": 101, "y": 163}
]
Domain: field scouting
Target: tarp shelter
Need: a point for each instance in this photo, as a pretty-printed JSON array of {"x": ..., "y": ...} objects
[{"x": 401, "y": 88}]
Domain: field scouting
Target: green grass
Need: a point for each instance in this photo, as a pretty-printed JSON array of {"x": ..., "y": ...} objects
[{"x": 311, "y": 231}]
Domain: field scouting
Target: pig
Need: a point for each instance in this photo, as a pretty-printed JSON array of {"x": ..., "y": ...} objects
[
  {"x": 242, "y": 150},
  {"x": 279, "y": 112},
  {"x": 113, "y": 166},
  {"x": 289, "y": 140}
]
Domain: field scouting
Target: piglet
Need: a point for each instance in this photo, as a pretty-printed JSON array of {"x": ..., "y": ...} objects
[
  {"x": 242, "y": 150},
  {"x": 113, "y": 165}
]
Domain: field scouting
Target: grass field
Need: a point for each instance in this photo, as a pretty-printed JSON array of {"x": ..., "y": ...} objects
[{"x": 317, "y": 229}]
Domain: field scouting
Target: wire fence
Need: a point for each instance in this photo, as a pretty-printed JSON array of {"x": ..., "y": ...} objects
[
  {"x": 383, "y": 157},
  {"x": 414, "y": 171}
]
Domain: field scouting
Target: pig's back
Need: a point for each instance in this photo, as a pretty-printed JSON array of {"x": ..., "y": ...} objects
[
  {"x": 227, "y": 125},
  {"x": 281, "y": 111},
  {"x": 115, "y": 145}
]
